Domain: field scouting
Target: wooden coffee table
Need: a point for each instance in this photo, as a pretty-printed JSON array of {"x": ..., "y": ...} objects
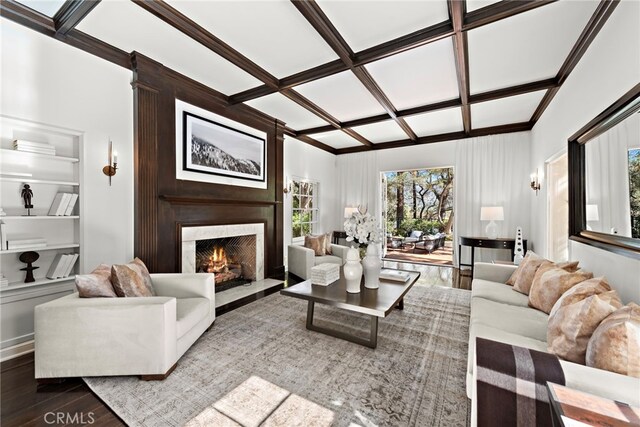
[{"x": 375, "y": 303}]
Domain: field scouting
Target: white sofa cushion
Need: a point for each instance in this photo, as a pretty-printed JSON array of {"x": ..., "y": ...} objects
[
  {"x": 190, "y": 311},
  {"x": 327, "y": 259},
  {"x": 524, "y": 321},
  {"x": 498, "y": 292}
]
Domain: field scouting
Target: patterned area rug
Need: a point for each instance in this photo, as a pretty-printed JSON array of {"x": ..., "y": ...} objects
[{"x": 258, "y": 365}]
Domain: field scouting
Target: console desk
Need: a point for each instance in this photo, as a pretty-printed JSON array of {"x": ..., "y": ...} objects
[{"x": 485, "y": 242}]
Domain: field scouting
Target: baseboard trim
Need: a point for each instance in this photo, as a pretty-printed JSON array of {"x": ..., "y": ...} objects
[{"x": 17, "y": 350}]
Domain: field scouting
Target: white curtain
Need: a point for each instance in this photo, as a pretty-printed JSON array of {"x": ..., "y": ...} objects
[
  {"x": 491, "y": 171},
  {"x": 358, "y": 183},
  {"x": 607, "y": 176}
]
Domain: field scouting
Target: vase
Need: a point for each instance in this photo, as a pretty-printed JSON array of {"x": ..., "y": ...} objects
[
  {"x": 371, "y": 265},
  {"x": 353, "y": 271}
]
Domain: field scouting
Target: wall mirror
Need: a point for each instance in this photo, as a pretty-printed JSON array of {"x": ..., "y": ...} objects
[{"x": 604, "y": 179}]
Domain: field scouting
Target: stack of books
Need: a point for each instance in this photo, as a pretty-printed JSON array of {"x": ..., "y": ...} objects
[
  {"x": 25, "y": 243},
  {"x": 63, "y": 204},
  {"x": 3, "y": 281},
  {"x": 325, "y": 274},
  {"x": 62, "y": 266},
  {"x": 34, "y": 147}
]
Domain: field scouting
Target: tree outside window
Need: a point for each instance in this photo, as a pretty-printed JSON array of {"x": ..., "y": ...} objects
[{"x": 304, "y": 213}]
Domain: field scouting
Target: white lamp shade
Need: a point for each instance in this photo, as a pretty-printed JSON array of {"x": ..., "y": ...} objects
[
  {"x": 592, "y": 213},
  {"x": 348, "y": 211},
  {"x": 491, "y": 213}
]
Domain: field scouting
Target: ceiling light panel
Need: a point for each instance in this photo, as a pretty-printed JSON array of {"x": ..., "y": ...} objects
[
  {"x": 341, "y": 95},
  {"x": 281, "y": 107},
  {"x": 336, "y": 139},
  {"x": 527, "y": 47},
  {"x": 129, "y": 27},
  {"x": 514, "y": 109},
  {"x": 418, "y": 76},
  {"x": 364, "y": 24},
  {"x": 379, "y": 132},
  {"x": 46, "y": 7},
  {"x": 436, "y": 122},
  {"x": 478, "y": 4},
  {"x": 273, "y": 34}
]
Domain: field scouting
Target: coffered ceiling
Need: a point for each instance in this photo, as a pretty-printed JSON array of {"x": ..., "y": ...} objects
[{"x": 354, "y": 75}]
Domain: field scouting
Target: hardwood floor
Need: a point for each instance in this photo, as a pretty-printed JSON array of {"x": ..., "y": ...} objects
[{"x": 24, "y": 403}]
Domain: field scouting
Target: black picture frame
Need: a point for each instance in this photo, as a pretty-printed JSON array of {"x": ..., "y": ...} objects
[{"x": 216, "y": 150}]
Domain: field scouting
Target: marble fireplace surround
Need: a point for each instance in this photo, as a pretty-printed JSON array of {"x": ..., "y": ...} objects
[{"x": 192, "y": 234}]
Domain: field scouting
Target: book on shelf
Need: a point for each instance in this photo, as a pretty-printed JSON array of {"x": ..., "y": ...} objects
[
  {"x": 25, "y": 243},
  {"x": 72, "y": 204},
  {"x": 63, "y": 204},
  {"x": 34, "y": 147},
  {"x": 3, "y": 281},
  {"x": 72, "y": 263},
  {"x": 394, "y": 275},
  {"x": 3, "y": 236},
  {"x": 62, "y": 266}
]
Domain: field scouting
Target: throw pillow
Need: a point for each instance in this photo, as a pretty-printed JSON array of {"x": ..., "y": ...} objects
[
  {"x": 139, "y": 267},
  {"x": 327, "y": 243},
  {"x": 525, "y": 272},
  {"x": 96, "y": 284},
  {"x": 552, "y": 283},
  {"x": 317, "y": 243},
  {"x": 615, "y": 344},
  {"x": 128, "y": 281},
  {"x": 576, "y": 315}
]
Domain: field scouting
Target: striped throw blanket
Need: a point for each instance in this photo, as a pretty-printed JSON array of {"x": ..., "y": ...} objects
[{"x": 511, "y": 384}]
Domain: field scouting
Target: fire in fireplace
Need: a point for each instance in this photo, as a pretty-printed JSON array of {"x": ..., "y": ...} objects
[{"x": 232, "y": 260}]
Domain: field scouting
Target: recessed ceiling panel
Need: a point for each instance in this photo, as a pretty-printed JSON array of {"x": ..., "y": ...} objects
[
  {"x": 341, "y": 95},
  {"x": 514, "y": 109},
  {"x": 478, "y": 4},
  {"x": 436, "y": 122},
  {"x": 368, "y": 23},
  {"x": 273, "y": 34},
  {"x": 281, "y": 107},
  {"x": 418, "y": 76},
  {"x": 385, "y": 131},
  {"x": 46, "y": 7},
  {"x": 129, "y": 27},
  {"x": 527, "y": 47},
  {"x": 336, "y": 139}
]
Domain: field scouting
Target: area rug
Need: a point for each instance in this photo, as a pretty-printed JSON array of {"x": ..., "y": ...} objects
[{"x": 258, "y": 365}]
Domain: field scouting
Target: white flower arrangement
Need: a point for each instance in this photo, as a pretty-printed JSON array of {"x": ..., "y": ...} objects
[{"x": 362, "y": 228}]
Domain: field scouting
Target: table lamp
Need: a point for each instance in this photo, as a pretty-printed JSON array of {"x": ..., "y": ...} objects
[
  {"x": 592, "y": 214},
  {"x": 492, "y": 213}
]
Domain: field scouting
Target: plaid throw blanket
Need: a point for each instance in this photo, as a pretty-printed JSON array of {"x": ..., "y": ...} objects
[{"x": 511, "y": 384}]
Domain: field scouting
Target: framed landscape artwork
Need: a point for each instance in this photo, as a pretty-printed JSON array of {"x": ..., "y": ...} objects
[{"x": 212, "y": 148}]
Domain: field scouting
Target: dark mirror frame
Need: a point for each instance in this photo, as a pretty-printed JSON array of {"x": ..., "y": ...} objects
[{"x": 624, "y": 107}]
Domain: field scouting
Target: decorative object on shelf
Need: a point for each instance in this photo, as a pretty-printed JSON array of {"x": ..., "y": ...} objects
[
  {"x": 4, "y": 282},
  {"x": 63, "y": 204},
  {"x": 492, "y": 214},
  {"x": 362, "y": 228},
  {"x": 535, "y": 182},
  {"x": 29, "y": 258},
  {"x": 592, "y": 215},
  {"x": 27, "y": 194},
  {"x": 112, "y": 166},
  {"x": 3, "y": 236},
  {"x": 2, "y": 212},
  {"x": 353, "y": 271},
  {"x": 372, "y": 265},
  {"x": 34, "y": 147},
  {"x": 518, "y": 252}
]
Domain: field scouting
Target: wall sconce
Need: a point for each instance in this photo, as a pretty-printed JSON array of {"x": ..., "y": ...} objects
[
  {"x": 112, "y": 167},
  {"x": 535, "y": 182}
]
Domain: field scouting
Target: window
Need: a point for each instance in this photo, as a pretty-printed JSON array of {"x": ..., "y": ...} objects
[
  {"x": 304, "y": 212},
  {"x": 634, "y": 191}
]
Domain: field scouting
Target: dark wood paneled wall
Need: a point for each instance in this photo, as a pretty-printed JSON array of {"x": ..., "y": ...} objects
[{"x": 164, "y": 204}]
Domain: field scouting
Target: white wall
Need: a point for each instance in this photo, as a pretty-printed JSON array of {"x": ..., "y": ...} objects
[
  {"x": 46, "y": 81},
  {"x": 304, "y": 161},
  {"x": 610, "y": 67}
]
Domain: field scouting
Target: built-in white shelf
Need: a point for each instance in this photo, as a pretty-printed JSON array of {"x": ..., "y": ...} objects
[
  {"x": 38, "y": 181},
  {"x": 38, "y": 217},
  {"x": 25, "y": 154},
  {"x": 38, "y": 282},
  {"x": 46, "y": 248}
]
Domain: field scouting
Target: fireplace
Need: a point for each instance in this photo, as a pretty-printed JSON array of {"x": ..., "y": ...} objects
[
  {"x": 234, "y": 253},
  {"x": 231, "y": 259}
]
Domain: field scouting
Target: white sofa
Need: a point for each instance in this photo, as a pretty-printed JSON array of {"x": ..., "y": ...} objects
[
  {"x": 501, "y": 314},
  {"x": 77, "y": 337},
  {"x": 301, "y": 259}
]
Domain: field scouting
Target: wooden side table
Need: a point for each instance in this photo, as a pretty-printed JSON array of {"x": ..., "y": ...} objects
[{"x": 569, "y": 405}]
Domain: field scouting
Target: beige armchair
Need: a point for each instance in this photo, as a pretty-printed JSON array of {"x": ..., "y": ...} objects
[
  {"x": 301, "y": 259},
  {"x": 77, "y": 337}
]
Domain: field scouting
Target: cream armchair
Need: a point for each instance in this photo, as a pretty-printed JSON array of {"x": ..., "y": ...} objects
[
  {"x": 301, "y": 259},
  {"x": 77, "y": 337}
]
